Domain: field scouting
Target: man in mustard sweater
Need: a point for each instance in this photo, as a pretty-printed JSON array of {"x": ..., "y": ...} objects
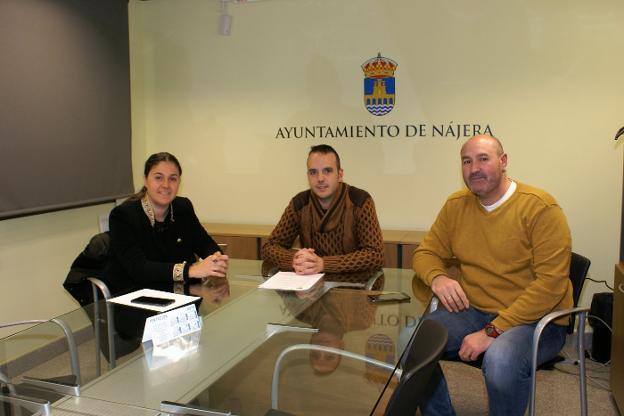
[{"x": 513, "y": 245}]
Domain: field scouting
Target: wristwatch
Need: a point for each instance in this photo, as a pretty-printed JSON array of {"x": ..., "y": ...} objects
[{"x": 492, "y": 331}]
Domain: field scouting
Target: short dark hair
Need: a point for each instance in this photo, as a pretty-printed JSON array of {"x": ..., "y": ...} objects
[
  {"x": 156, "y": 158},
  {"x": 325, "y": 149}
]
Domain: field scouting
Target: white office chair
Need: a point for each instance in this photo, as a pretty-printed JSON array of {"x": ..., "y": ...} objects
[
  {"x": 417, "y": 368},
  {"x": 64, "y": 385},
  {"x": 580, "y": 331},
  {"x": 315, "y": 347},
  {"x": 71, "y": 344}
]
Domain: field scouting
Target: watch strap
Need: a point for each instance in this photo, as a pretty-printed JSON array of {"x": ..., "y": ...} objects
[{"x": 492, "y": 331}]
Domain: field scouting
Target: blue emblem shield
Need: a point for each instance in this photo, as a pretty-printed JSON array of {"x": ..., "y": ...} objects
[{"x": 379, "y": 85}]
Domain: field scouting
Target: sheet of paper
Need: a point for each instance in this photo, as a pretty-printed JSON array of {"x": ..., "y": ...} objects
[
  {"x": 291, "y": 281},
  {"x": 179, "y": 300}
]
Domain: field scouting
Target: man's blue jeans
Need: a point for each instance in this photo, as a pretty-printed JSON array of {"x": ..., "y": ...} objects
[{"x": 506, "y": 363}]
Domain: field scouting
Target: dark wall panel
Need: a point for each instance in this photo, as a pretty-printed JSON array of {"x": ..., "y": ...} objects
[{"x": 64, "y": 104}]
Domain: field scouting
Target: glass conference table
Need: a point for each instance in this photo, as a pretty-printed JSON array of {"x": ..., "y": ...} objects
[{"x": 330, "y": 350}]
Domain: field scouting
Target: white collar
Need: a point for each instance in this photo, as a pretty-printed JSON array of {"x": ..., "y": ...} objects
[
  {"x": 501, "y": 201},
  {"x": 148, "y": 208}
]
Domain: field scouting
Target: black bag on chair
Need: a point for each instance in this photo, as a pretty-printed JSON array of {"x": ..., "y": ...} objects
[{"x": 90, "y": 263}]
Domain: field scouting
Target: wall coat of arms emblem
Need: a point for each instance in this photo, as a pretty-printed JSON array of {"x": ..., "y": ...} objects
[{"x": 379, "y": 86}]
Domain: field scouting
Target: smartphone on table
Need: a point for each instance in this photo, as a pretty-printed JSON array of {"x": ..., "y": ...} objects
[
  {"x": 389, "y": 297},
  {"x": 152, "y": 301}
]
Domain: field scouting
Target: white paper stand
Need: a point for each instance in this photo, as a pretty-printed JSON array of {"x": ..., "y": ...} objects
[
  {"x": 178, "y": 300},
  {"x": 164, "y": 327}
]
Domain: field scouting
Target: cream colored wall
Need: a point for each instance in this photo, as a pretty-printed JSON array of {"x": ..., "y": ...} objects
[
  {"x": 546, "y": 77},
  {"x": 35, "y": 255}
]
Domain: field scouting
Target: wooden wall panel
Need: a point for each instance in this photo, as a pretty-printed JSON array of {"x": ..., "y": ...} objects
[{"x": 239, "y": 247}]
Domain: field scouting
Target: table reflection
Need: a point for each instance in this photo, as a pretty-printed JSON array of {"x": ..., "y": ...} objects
[
  {"x": 212, "y": 290},
  {"x": 336, "y": 313}
]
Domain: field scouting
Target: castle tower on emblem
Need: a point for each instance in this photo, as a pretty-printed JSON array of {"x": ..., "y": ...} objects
[{"x": 379, "y": 88}]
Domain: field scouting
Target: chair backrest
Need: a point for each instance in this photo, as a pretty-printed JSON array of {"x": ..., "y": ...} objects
[
  {"x": 579, "y": 266},
  {"x": 425, "y": 351}
]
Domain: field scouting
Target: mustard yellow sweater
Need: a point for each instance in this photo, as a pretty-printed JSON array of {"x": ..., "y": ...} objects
[{"x": 514, "y": 261}]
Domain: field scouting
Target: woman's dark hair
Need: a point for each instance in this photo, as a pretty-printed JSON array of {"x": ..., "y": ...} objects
[
  {"x": 152, "y": 161},
  {"x": 156, "y": 158}
]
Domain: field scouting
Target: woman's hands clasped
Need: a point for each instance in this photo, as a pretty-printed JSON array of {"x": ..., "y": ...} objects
[{"x": 214, "y": 265}]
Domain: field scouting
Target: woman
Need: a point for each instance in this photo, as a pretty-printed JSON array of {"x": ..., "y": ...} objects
[{"x": 156, "y": 236}]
